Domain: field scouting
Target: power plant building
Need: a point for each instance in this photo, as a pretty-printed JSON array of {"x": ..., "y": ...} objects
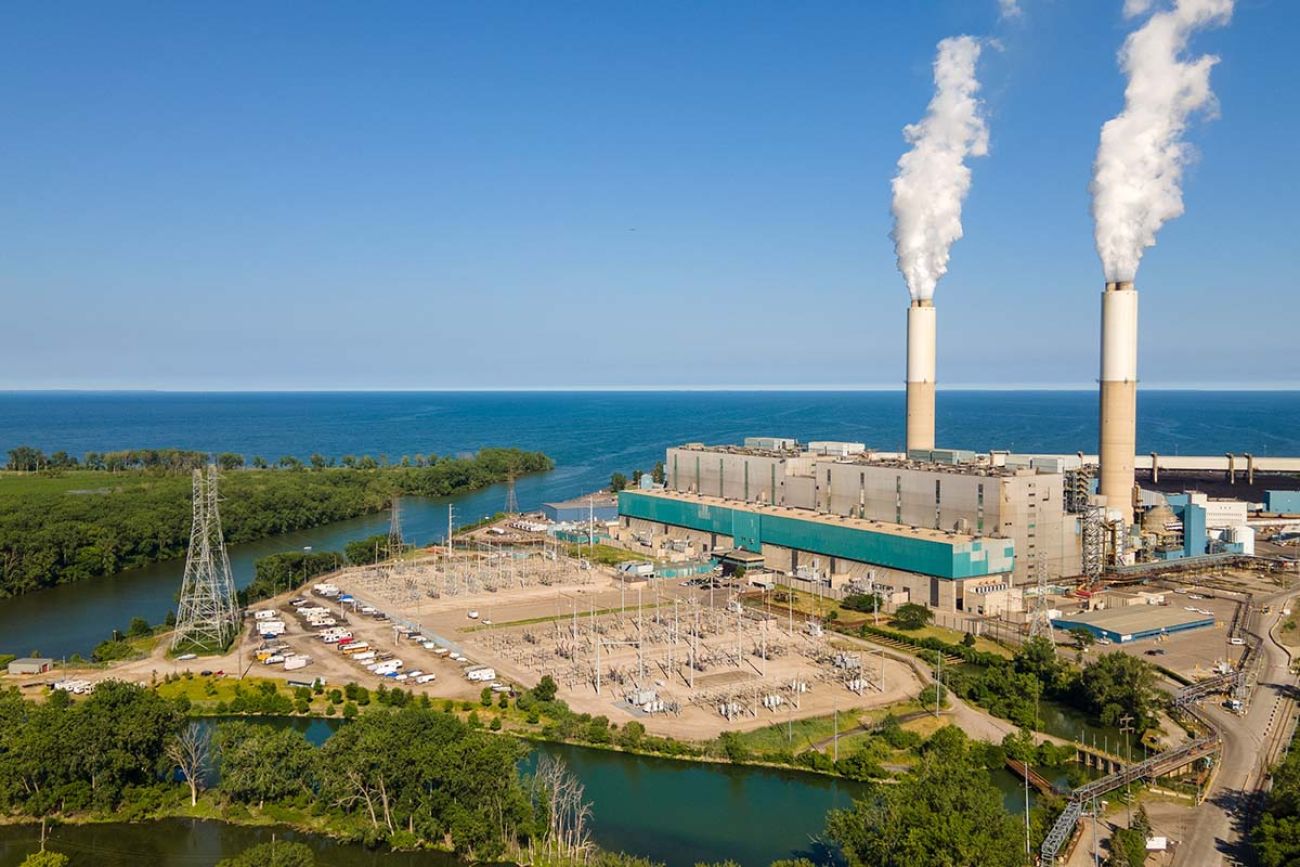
[
  {"x": 955, "y": 492},
  {"x": 944, "y": 569}
]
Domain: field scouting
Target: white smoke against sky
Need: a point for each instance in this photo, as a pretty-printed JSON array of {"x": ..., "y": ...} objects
[
  {"x": 933, "y": 178},
  {"x": 1137, "y": 178},
  {"x": 1010, "y": 8}
]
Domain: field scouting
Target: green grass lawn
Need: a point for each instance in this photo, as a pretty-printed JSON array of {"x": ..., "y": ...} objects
[
  {"x": 822, "y": 607},
  {"x": 606, "y": 555},
  {"x": 88, "y": 481}
]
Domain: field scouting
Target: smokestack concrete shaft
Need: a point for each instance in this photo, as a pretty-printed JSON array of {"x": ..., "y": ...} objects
[
  {"x": 1118, "y": 445},
  {"x": 920, "y": 375}
]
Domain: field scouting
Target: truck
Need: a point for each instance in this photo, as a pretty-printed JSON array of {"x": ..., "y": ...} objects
[{"x": 636, "y": 569}]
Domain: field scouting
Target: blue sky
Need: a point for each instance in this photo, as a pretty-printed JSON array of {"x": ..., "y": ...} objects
[{"x": 623, "y": 194}]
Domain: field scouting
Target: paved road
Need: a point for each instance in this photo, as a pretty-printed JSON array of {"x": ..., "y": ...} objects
[{"x": 1249, "y": 745}]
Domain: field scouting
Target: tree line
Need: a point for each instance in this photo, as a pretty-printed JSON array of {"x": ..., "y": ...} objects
[
  {"x": 1109, "y": 688},
  {"x": 52, "y": 533},
  {"x": 1276, "y": 836},
  {"x": 410, "y": 776},
  {"x": 27, "y": 459}
]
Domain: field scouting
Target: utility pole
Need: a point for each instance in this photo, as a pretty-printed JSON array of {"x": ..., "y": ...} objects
[
  {"x": 1096, "y": 854},
  {"x": 938, "y": 681},
  {"x": 450, "y": 519},
  {"x": 1028, "y": 854},
  {"x": 836, "y": 724},
  {"x": 1126, "y": 728}
]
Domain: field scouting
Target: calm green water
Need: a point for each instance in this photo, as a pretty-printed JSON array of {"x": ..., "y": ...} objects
[
  {"x": 187, "y": 843},
  {"x": 670, "y": 810}
]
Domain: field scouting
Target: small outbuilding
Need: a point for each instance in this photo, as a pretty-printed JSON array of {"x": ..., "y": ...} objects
[
  {"x": 31, "y": 665},
  {"x": 1134, "y": 622}
]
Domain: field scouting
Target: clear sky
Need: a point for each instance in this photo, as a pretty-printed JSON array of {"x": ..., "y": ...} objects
[{"x": 545, "y": 194}]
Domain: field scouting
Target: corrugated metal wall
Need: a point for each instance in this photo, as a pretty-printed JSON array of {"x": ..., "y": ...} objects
[{"x": 750, "y": 529}]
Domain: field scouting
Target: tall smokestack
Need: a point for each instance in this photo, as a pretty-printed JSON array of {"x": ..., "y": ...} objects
[
  {"x": 920, "y": 375},
  {"x": 931, "y": 183},
  {"x": 1136, "y": 189},
  {"x": 1118, "y": 442}
]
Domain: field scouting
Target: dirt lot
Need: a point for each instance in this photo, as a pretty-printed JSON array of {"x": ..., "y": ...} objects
[{"x": 749, "y": 670}]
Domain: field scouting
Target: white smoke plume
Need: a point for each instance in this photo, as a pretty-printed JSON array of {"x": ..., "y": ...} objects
[
  {"x": 932, "y": 177},
  {"x": 1136, "y": 182},
  {"x": 1009, "y": 8}
]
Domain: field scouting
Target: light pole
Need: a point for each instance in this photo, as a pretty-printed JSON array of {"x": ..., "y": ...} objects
[{"x": 1126, "y": 728}]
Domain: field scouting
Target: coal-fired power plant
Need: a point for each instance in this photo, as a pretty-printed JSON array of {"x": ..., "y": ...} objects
[
  {"x": 1118, "y": 440},
  {"x": 920, "y": 374}
]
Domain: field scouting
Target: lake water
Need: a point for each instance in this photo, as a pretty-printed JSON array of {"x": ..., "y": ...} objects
[{"x": 589, "y": 434}]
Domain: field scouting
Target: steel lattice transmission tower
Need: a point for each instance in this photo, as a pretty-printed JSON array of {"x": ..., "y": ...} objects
[
  {"x": 512, "y": 501},
  {"x": 1041, "y": 622},
  {"x": 1094, "y": 543},
  {"x": 396, "y": 544},
  {"x": 208, "y": 614}
]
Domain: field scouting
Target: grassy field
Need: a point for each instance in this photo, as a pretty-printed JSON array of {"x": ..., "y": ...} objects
[
  {"x": 203, "y": 691},
  {"x": 606, "y": 555},
  {"x": 802, "y": 734},
  {"x": 822, "y": 607},
  {"x": 1288, "y": 631},
  {"x": 952, "y": 636},
  {"x": 87, "y": 482}
]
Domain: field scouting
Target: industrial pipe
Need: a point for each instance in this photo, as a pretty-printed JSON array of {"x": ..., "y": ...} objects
[
  {"x": 1118, "y": 440},
  {"x": 1155, "y": 468},
  {"x": 1232, "y": 469},
  {"x": 1250, "y": 468},
  {"x": 920, "y": 375}
]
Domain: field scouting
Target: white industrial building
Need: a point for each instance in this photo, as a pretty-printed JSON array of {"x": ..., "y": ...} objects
[{"x": 979, "y": 495}]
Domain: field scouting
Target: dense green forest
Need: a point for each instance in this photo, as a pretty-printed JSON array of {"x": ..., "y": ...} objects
[
  {"x": 1276, "y": 838},
  {"x": 62, "y": 523}
]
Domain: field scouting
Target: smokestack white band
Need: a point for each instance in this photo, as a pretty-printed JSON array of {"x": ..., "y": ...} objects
[
  {"x": 920, "y": 342},
  {"x": 1119, "y": 337},
  {"x": 920, "y": 375},
  {"x": 1118, "y": 424}
]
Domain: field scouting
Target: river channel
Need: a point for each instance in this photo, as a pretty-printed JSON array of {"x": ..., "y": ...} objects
[{"x": 73, "y": 618}]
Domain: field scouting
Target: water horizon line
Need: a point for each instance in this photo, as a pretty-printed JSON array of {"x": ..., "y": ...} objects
[{"x": 647, "y": 389}]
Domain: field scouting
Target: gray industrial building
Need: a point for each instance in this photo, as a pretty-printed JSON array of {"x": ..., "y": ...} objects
[{"x": 979, "y": 495}]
